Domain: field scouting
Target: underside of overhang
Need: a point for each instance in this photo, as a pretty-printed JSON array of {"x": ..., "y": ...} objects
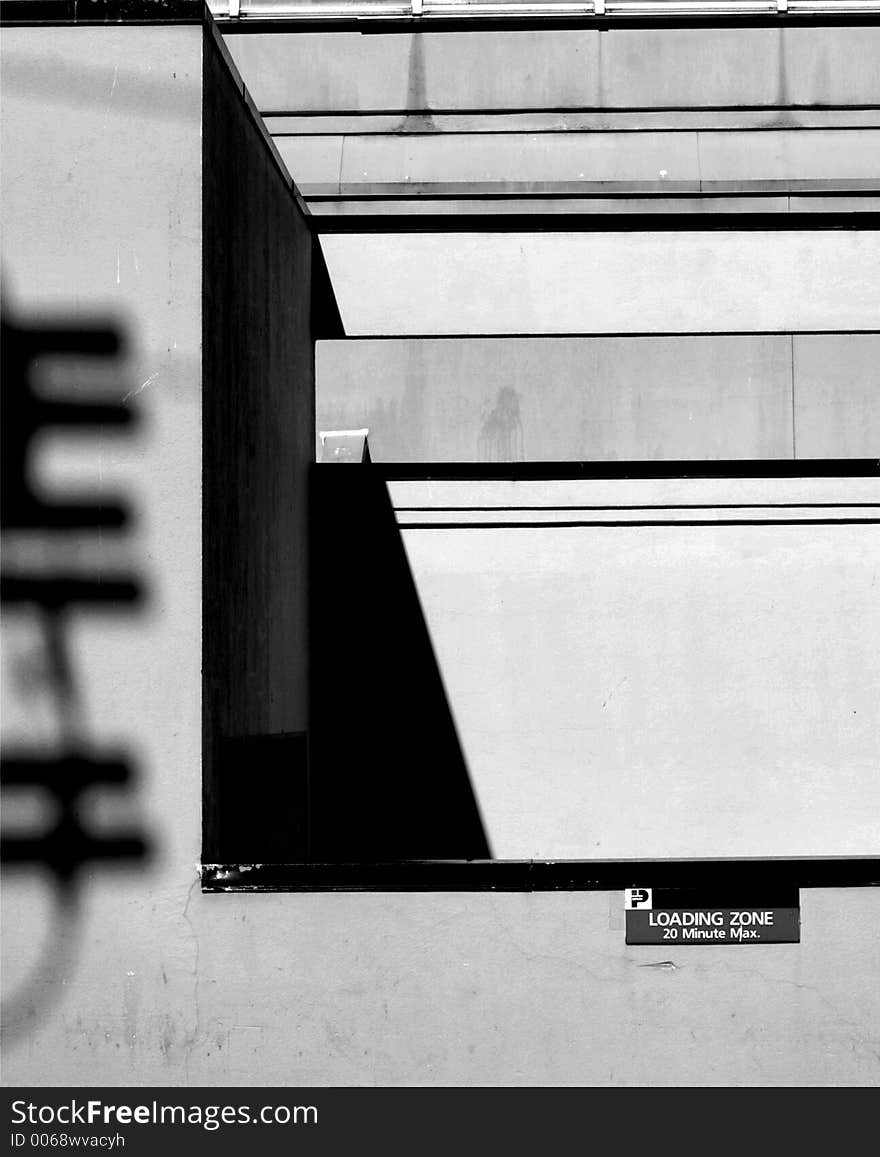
[
  {"x": 421, "y": 119},
  {"x": 582, "y": 160}
]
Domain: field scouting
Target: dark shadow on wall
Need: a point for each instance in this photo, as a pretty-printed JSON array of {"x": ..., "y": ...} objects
[
  {"x": 53, "y": 568},
  {"x": 388, "y": 780},
  {"x": 501, "y": 433},
  {"x": 267, "y": 298},
  {"x": 418, "y": 118},
  {"x": 261, "y": 794}
]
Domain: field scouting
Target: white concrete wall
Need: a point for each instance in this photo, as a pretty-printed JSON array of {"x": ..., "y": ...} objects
[
  {"x": 626, "y": 685},
  {"x": 102, "y": 218},
  {"x": 569, "y": 69},
  {"x": 736, "y": 281},
  {"x": 544, "y": 119},
  {"x": 599, "y": 398},
  {"x": 162, "y": 985},
  {"x": 664, "y": 163}
]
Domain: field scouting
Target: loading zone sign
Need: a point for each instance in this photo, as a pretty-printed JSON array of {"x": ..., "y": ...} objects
[{"x": 696, "y": 916}]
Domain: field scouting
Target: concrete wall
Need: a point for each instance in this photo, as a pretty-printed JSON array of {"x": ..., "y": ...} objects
[
  {"x": 102, "y": 195},
  {"x": 779, "y": 119},
  {"x": 155, "y": 983},
  {"x": 587, "y": 163},
  {"x": 643, "y": 281},
  {"x": 702, "y": 683},
  {"x": 570, "y": 69},
  {"x": 568, "y": 399}
]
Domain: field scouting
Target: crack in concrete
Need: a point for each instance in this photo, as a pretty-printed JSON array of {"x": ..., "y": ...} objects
[
  {"x": 192, "y": 1038},
  {"x": 858, "y": 1036}
]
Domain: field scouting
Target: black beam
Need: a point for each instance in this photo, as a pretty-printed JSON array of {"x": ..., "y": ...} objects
[
  {"x": 541, "y": 876},
  {"x": 562, "y": 471},
  {"x": 589, "y": 222},
  {"x": 35, "y": 12},
  {"x": 373, "y": 25}
]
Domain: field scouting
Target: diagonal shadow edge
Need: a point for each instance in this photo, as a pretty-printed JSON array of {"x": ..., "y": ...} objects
[
  {"x": 489, "y": 854},
  {"x": 387, "y": 776}
]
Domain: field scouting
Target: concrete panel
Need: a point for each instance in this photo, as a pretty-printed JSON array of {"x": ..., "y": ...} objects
[
  {"x": 830, "y": 66},
  {"x": 102, "y": 217},
  {"x": 836, "y": 390},
  {"x": 606, "y": 282},
  {"x": 315, "y": 163},
  {"x": 667, "y": 67},
  {"x": 673, "y": 162},
  {"x": 802, "y": 155},
  {"x": 90, "y": 231},
  {"x": 657, "y": 691},
  {"x": 454, "y": 70},
  {"x": 516, "y": 158},
  {"x": 410, "y": 990},
  {"x": 622, "y": 68},
  {"x": 525, "y": 200},
  {"x": 566, "y": 399},
  {"x": 837, "y": 204}
]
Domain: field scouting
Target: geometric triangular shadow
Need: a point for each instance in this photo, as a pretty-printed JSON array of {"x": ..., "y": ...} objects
[{"x": 387, "y": 777}]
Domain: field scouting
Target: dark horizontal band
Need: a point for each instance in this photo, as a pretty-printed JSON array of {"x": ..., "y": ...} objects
[
  {"x": 546, "y": 875},
  {"x": 638, "y": 524},
  {"x": 378, "y": 25},
  {"x": 564, "y": 471},
  {"x": 103, "y": 12},
  {"x": 544, "y": 222}
]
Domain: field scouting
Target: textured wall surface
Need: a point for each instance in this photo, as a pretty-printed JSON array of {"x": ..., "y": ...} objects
[
  {"x": 558, "y": 399},
  {"x": 729, "y": 281},
  {"x": 773, "y": 119},
  {"x": 634, "y": 68},
  {"x": 635, "y": 675},
  {"x": 164, "y": 985},
  {"x": 102, "y": 218},
  {"x": 442, "y": 989}
]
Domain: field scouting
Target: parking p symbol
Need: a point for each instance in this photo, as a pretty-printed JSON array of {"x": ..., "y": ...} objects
[{"x": 637, "y": 898}]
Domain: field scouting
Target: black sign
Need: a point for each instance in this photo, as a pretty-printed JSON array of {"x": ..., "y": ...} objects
[{"x": 693, "y": 916}]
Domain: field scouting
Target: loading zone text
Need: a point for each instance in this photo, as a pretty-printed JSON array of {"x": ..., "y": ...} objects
[{"x": 718, "y": 924}]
